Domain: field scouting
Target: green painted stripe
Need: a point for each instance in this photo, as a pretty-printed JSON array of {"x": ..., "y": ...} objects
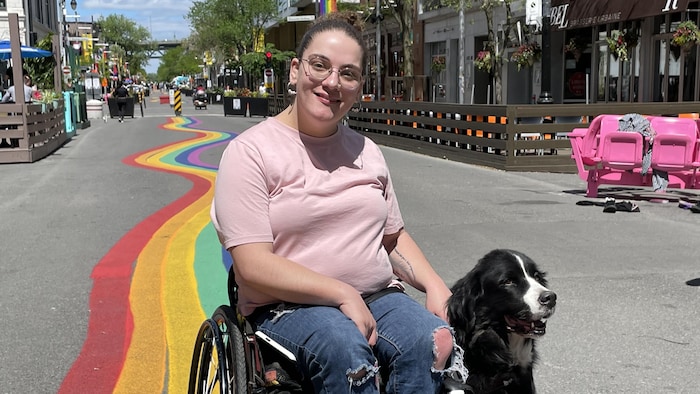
[{"x": 209, "y": 270}]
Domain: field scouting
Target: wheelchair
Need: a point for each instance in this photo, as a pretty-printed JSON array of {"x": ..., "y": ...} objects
[{"x": 231, "y": 357}]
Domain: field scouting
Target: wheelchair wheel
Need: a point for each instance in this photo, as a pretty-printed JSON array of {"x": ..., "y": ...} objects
[
  {"x": 236, "y": 371},
  {"x": 210, "y": 372}
]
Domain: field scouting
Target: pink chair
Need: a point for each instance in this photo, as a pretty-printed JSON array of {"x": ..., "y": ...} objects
[
  {"x": 621, "y": 149},
  {"x": 675, "y": 145},
  {"x": 590, "y": 144}
]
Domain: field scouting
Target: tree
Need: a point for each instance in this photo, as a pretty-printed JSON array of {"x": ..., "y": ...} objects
[
  {"x": 496, "y": 44},
  {"x": 134, "y": 39},
  {"x": 404, "y": 12},
  {"x": 178, "y": 61},
  {"x": 229, "y": 27},
  {"x": 253, "y": 63}
]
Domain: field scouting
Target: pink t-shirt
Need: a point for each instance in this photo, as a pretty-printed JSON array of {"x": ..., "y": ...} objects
[{"x": 324, "y": 203}]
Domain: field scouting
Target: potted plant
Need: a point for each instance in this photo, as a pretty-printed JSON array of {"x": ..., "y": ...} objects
[
  {"x": 233, "y": 104},
  {"x": 47, "y": 97},
  {"x": 483, "y": 61},
  {"x": 257, "y": 103},
  {"x": 216, "y": 95},
  {"x": 686, "y": 35},
  {"x": 239, "y": 101},
  {"x": 527, "y": 55},
  {"x": 575, "y": 47},
  {"x": 620, "y": 42},
  {"x": 438, "y": 63}
]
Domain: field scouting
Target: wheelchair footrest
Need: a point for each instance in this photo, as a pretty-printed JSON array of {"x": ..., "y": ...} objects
[{"x": 278, "y": 381}]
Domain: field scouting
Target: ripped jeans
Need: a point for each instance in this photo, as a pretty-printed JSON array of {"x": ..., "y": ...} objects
[{"x": 331, "y": 349}]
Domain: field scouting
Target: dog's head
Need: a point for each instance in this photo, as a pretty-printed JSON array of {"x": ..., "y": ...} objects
[{"x": 505, "y": 288}]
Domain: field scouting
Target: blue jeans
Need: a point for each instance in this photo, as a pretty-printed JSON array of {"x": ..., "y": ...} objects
[{"x": 329, "y": 347}]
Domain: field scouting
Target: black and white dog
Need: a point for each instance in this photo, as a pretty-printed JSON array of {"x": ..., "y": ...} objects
[{"x": 498, "y": 310}]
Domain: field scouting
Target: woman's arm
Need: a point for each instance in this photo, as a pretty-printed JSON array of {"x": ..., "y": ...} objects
[
  {"x": 258, "y": 267},
  {"x": 410, "y": 265}
]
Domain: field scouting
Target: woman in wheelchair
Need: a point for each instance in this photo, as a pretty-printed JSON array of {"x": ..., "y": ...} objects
[{"x": 307, "y": 209}]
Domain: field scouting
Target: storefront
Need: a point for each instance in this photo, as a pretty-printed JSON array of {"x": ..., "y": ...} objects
[{"x": 622, "y": 50}]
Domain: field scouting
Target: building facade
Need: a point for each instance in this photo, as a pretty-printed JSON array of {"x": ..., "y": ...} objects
[
  {"x": 585, "y": 62},
  {"x": 37, "y": 19}
]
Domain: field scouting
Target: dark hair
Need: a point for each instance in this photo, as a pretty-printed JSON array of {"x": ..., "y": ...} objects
[{"x": 347, "y": 22}]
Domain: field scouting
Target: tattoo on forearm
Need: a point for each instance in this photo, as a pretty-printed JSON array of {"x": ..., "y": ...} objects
[{"x": 402, "y": 267}]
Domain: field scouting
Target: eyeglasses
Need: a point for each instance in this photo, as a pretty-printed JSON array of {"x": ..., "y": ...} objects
[{"x": 320, "y": 68}]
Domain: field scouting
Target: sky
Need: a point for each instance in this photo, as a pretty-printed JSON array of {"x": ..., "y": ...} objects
[{"x": 164, "y": 19}]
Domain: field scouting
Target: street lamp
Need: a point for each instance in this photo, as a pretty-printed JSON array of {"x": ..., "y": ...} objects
[
  {"x": 66, "y": 43},
  {"x": 545, "y": 94}
]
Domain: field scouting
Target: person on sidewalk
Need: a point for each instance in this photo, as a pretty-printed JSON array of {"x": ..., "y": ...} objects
[
  {"x": 120, "y": 94},
  {"x": 306, "y": 208},
  {"x": 10, "y": 96}
]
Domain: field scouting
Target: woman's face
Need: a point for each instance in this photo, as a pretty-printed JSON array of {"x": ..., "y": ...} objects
[{"x": 328, "y": 79}]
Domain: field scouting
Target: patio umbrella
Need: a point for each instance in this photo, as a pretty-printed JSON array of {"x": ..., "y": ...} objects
[{"x": 27, "y": 52}]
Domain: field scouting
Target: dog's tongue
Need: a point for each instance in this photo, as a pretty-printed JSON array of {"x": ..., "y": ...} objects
[{"x": 526, "y": 327}]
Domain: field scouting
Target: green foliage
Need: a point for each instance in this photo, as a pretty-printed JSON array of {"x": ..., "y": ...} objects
[
  {"x": 253, "y": 63},
  {"x": 131, "y": 37},
  {"x": 177, "y": 61},
  {"x": 228, "y": 26},
  {"x": 42, "y": 69},
  {"x": 687, "y": 33}
]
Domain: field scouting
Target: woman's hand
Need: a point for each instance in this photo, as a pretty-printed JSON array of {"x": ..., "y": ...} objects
[
  {"x": 436, "y": 300},
  {"x": 357, "y": 311}
]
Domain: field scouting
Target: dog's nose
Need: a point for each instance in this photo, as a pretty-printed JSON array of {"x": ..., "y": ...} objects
[{"x": 548, "y": 299}]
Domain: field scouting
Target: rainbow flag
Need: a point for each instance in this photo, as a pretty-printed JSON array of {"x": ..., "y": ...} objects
[{"x": 327, "y": 6}]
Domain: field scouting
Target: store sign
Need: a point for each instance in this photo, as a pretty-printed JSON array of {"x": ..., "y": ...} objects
[{"x": 574, "y": 14}]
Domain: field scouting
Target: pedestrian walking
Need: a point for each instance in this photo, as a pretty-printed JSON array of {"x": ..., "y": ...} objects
[{"x": 120, "y": 94}]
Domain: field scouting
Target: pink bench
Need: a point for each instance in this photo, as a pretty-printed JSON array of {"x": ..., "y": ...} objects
[{"x": 606, "y": 155}]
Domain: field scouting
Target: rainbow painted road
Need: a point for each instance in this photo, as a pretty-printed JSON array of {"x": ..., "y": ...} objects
[{"x": 154, "y": 288}]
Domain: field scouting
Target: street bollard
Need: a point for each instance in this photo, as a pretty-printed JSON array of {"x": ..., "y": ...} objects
[{"x": 178, "y": 103}]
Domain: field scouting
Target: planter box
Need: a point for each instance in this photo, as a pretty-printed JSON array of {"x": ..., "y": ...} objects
[
  {"x": 114, "y": 110},
  {"x": 234, "y": 106},
  {"x": 216, "y": 98},
  {"x": 257, "y": 106},
  {"x": 254, "y": 106}
]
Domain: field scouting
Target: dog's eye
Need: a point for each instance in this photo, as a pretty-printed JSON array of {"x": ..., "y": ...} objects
[
  {"x": 537, "y": 276},
  {"x": 507, "y": 282}
]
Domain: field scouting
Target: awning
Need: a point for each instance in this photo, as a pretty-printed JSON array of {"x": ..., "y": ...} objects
[{"x": 574, "y": 14}]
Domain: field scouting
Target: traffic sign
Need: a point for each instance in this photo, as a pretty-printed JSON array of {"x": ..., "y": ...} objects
[
  {"x": 301, "y": 18},
  {"x": 66, "y": 70},
  {"x": 269, "y": 78}
]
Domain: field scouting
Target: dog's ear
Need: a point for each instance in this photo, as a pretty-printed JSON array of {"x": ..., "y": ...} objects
[{"x": 460, "y": 306}]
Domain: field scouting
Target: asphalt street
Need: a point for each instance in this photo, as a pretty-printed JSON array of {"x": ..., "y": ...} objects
[{"x": 628, "y": 284}]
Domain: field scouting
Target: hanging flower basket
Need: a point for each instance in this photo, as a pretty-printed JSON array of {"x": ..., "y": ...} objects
[
  {"x": 483, "y": 61},
  {"x": 438, "y": 64},
  {"x": 575, "y": 47},
  {"x": 620, "y": 42},
  {"x": 526, "y": 55},
  {"x": 686, "y": 36}
]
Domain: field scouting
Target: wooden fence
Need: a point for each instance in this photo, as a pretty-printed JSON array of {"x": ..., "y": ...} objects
[
  {"x": 506, "y": 137},
  {"x": 33, "y": 130}
]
